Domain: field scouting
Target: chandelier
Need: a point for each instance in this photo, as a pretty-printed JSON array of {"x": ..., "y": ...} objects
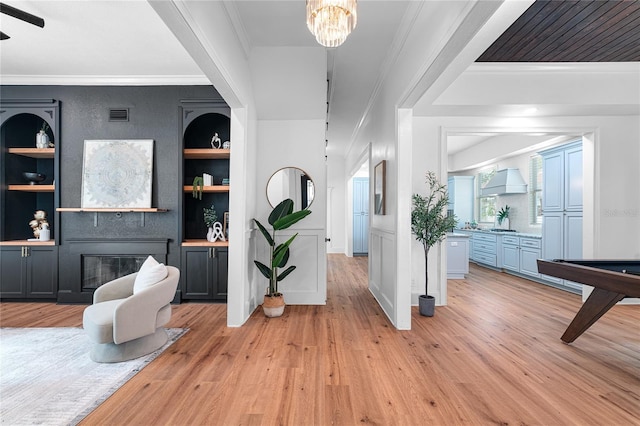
[{"x": 331, "y": 21}]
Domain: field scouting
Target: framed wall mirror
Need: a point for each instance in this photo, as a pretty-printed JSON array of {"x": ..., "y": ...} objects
[{"x": 291, "y": 182}]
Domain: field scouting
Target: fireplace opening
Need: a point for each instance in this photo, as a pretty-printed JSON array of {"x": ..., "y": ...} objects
[{"x": 98, "y": 270}]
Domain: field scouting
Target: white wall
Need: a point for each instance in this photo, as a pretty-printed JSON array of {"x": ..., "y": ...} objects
[
  {"x": 290, "y": 89},
  {"x": 337, "y": 203}
]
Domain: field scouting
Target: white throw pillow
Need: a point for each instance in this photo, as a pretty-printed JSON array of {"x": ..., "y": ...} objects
[{"x": 151, "y": 272}]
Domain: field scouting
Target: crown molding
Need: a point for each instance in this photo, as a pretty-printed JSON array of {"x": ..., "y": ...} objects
[{"x": 105, "y": 80}]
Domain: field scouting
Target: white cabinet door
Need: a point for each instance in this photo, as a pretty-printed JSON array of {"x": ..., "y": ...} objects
[
  {"x": 529, "y": 261},
  {"x": 573, "y": 235},
  {"x": 510, "y": 257},
  {"x": 552, "y": 239},
  {"x": 573, "y": 179},
  {"x": 553, "y": 182}
]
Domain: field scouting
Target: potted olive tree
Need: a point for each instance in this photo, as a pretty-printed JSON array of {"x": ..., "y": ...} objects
[
  {"x": 430, "y": 224},
  {"x": 282, "y": 216}
]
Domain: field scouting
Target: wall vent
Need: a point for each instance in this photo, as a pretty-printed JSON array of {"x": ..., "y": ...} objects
[{"x": 118, "y": 114}]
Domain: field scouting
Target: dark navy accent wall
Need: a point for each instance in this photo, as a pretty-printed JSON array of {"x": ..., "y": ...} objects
[{"x": 84, "y": 114}]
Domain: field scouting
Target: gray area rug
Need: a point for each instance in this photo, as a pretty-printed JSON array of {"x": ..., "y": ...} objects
[{"x": 47, "y": 377}]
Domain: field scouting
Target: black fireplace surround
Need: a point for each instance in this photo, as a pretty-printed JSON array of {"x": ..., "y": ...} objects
[{"x": 89, "y": 263}]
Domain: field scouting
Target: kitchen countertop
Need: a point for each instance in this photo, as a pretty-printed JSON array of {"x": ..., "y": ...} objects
[
  {"x": 453, "y": 234},
  {"x": 515, "y": 234}
]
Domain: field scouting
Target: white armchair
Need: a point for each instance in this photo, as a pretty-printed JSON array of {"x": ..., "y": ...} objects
[{"x": 125, "y": 323}]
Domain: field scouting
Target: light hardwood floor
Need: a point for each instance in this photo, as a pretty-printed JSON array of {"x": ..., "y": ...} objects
[{"x": 492, "y": 356}]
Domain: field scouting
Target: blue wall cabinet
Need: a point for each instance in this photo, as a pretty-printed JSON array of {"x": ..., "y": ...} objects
[{"x": 360, "y": 216}]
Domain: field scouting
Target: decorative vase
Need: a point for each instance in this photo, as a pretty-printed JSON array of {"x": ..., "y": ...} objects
[
  {"x": 210, "y": 234},
  {"x": 273, "y": 306},
  {"x": 426, "y": 305},
  {"x": 42, "y": 139}
]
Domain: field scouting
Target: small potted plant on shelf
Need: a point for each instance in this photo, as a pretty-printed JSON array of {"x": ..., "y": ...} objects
[
  {"x": 282, "y": 216},
  {"x": 430, "y": 224},
  {"x": 503, "y": 217}
]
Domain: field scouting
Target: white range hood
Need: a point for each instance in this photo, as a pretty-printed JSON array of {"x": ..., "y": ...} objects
[{"x": 506, "y": 181}]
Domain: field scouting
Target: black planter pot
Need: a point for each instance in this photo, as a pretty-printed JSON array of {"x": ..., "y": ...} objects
[{"x": 426, "y": 305}]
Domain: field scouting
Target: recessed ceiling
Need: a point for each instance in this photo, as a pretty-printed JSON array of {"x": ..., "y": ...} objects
[{"x": 571, "y": 31}]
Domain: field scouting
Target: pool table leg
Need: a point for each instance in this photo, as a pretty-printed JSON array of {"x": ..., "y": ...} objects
[{"x": 596, "y": 305}]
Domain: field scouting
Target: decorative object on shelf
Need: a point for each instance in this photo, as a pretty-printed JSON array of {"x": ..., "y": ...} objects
[
  {"x": 216, "y": 142},
  {"x": 226, "y": 145},
  {"x": 282, "y": 216},
  {"x": 225, "y": 181},
  {"x": 198, "y": 187},
  {"x": 430, "y": 224},
  {"x": 42, "y": 139},
  {"x": 216, "y": 233},
  {"x": 45, "y": 233},
  {"x": 503, "y": 217},
  {"x": 33, "y": 177},
  {"x": 331, "y": 21},
  {"x": 379, "y": 185},
  {"x": 225, "y": 225},
  {"x": 117, "y": 173},
  {"x": 39, "y": 221},
  {"x": 207, "y": 179}
]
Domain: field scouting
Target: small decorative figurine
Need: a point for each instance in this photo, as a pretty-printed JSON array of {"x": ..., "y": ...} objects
[
  {"x": 226, "y": 145},
  {"x": 39, "y": 223},
  {"x": 216, "y": 142}
]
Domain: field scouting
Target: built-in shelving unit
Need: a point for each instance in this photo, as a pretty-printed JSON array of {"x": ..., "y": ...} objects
[
  {"x": 204, "y": 263},
  {"x": 29, "y": 269}
]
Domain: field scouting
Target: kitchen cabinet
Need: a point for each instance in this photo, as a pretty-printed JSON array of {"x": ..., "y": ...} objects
[
  {"x": 520, "y": 254},
  {"x": 360, "y": 216},
  {"x": 511, "y": 253},
  {"x": 461, "y": 197},
  {"x": 28, "y": 271},
  {"x": 485, "y": 249},
  {"x": 457, "y": 256},
  {"x": 204, "y": 273},
  {"x": 562, "y": 207}
]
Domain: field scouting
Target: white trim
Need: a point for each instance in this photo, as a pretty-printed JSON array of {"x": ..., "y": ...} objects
[
  {"x": 480, "y": 68},
  {"x": 105, "y": 80}
]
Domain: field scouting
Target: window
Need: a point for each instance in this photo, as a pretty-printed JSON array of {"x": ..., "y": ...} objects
[
  {"x": 486, "y": 205},
  {"x": 535, "y": 190}
]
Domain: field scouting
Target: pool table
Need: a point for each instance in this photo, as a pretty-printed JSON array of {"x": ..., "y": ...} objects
[{"x": 613, "y": 281}]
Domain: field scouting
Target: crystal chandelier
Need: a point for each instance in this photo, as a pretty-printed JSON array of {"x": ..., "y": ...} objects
[{"x": 331, "y": 21}]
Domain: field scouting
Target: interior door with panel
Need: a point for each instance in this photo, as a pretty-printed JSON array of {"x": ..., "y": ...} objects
[{"x": 360, "y": 216}]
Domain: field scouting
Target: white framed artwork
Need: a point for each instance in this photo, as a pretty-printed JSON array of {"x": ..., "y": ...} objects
[{"x": 117, "y": 173}]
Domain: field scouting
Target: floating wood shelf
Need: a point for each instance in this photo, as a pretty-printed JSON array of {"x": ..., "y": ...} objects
[
  {"x": 111, "y": 210},
  {"x": 206, "y": 154},
  {"x": 34, "y": 152},
  {"x": 32, "y": 188},
  {"x": 27, "y": 243},
  {"x": 117, "y": 211},
  {"x": 214, "y": 188},
  {"x": 204, "y": 243}
]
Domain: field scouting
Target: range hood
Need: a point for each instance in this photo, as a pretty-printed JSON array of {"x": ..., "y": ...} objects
[{"x": 506, "y": 181}]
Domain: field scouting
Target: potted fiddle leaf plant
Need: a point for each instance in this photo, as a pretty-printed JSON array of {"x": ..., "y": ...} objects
[
  {"x": 282, "y": 216},
  {"x": 430, "y": 224}
]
